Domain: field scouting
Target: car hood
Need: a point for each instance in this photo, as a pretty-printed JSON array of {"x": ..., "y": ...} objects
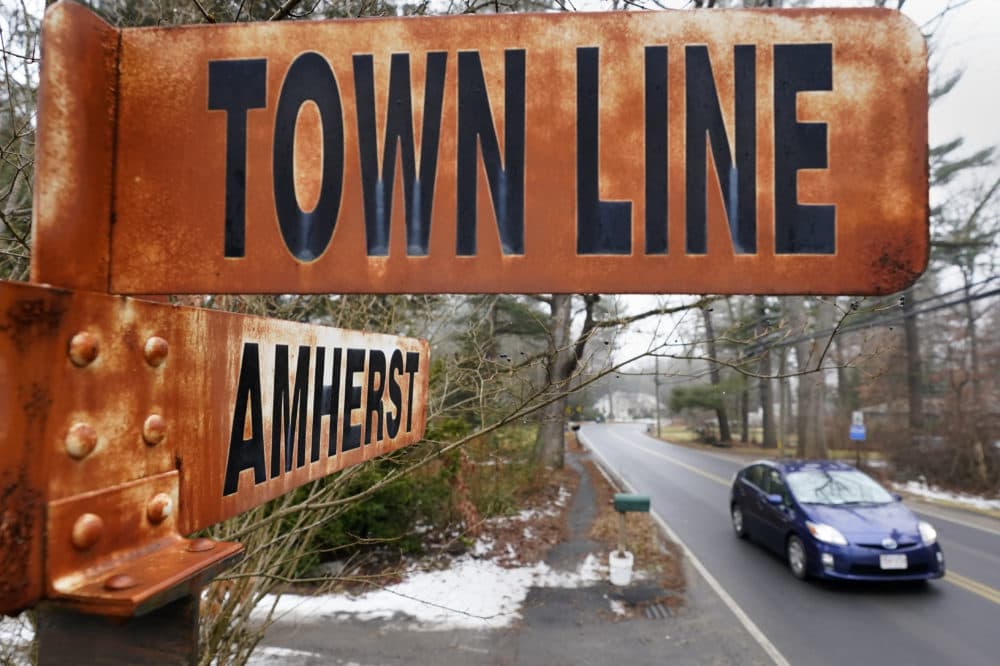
[{"x": 867, "y": 523}]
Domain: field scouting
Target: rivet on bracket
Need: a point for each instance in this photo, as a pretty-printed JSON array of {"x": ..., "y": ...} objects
[
  {"x": 83, "y": 349},
  {"x": 159, "y": 508},
  {"x": 154, "y": 430},
  {"x": 87, "y": 531},
  {"x": 119, "y": 582},
  {"x": 200, "y": 545},
  {"x": 81, "y": 440},
  {"x": 155, "y": 351}
]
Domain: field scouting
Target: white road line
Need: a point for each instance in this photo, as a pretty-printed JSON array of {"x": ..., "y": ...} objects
[{"x": 744, "y": 619}]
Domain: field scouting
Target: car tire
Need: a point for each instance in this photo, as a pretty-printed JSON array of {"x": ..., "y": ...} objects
[
  {"x": 739, "y": 524},
  {"x": 798, "y": 558}
]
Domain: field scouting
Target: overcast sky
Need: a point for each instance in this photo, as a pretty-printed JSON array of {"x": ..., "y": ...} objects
[{"x": 968, "y": 38}]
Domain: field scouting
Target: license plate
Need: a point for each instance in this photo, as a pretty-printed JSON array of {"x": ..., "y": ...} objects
[{"x": 892, "y": 561}]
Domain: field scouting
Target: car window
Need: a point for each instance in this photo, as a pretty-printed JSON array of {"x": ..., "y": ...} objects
[
  {"x": 774, "y": 485},
  {"x": 754, "y": 475},
  {"x": 819, "y": 486}
]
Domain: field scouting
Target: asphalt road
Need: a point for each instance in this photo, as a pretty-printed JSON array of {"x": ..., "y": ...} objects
[{"x": 954, "y": 620}]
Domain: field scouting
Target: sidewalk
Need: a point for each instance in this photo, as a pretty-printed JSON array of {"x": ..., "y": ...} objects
[{"x": 596, "y": 623}]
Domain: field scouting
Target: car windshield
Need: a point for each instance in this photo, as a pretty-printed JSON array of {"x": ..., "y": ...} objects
[{"x": 818, "y": 486}]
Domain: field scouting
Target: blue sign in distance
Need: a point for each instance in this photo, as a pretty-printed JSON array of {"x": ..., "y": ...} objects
[{"x": 858, "y": 432}]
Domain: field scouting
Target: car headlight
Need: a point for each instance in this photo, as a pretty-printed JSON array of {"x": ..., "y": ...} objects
[
  {"x": 927, "y": 533},
  {"x": 827, "y": 534}
]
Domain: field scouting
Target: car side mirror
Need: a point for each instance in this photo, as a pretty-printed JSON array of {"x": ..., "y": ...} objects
[
  {"x": 775, "y": 500},
  {"x": 897, "y": 497}
]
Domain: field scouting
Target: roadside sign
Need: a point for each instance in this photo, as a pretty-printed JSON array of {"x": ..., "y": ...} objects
[
  {"x": 858, "y": 432},
  {"x": 857, "y": 417},
  {"x": 685, "y": 152},
  {"x": 721, "y": 152},
  {"x": 127, "y": 422}
]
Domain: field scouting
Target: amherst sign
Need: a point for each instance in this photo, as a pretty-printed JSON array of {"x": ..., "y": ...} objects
[
  {"x": 705, "y": 152},
  {"x": 135, "y": 421}
]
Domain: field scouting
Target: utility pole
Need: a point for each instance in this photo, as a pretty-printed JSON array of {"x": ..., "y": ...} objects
[
  {"x": 656, "y": 383},
  {"x": 611, "y": 402}
]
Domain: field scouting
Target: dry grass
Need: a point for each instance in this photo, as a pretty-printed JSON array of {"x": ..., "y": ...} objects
[{"x": 548, "y": 524}]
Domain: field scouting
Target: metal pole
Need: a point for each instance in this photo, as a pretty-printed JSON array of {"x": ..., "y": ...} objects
[
  {"x": 167, "y": 635},
  {"x": 621, "y": 532},
  {"x": 656, "y": 382}
]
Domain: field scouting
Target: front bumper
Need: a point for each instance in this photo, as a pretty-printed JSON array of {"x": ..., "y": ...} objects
[{"x": 853, "y": 562}]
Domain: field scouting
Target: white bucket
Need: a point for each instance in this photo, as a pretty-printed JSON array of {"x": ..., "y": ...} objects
[{"x": 620, "y": 567}]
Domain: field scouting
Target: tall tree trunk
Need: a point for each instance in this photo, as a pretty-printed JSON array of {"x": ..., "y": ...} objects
[
  {"x": 970, "y": 333},
  {"x": 914, "y": 364},
  {"x": 825, "y": 318},
  {"x": 809, "y": 444},
  {"x": 978, "y": 451},
  {"x": 744, "y": 402},
  {"x": 768, "y": 440},
  {"x": 744, "y": 410},
  {"x": 847, "y": 393},
  {"x": 713, "y": 373},
  {"x": 564, "y": 355},
  {"x": 550, "y": 445},
  {"x": 784, "y": 401},
  {"x": 795, "y": 307}
]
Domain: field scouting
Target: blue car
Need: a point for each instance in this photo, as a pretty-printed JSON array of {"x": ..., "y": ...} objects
[{"x": 832, "y": 521}]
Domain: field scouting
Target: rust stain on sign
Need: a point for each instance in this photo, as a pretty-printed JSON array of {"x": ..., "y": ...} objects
[
  {"x": 704, "y": 152},
  {"x": 171, "y": 419}
]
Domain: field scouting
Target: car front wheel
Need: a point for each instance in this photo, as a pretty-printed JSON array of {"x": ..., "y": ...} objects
[
  {"x": 797, "y": 559},
  {"x": 738, "y": 525}
]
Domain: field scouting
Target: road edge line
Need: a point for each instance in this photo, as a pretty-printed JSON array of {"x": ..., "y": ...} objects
[
  {"x": 748, "y": 624},
  {"x": 919, "y": 506}
]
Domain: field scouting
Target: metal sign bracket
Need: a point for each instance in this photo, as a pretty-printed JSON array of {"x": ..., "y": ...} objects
[{"x": 117, "y": 551}]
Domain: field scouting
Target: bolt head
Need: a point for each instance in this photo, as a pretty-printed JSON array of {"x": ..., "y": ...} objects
[
  {"x": 119, "y": 582},
  {"x": 154, "y": 430},
  {"x": 83, "y": 349},
  {"x": 200, "y": 545},
  {"x": 87, "y": 531},
  {"x": 155, "y": 351},
  {"x": 81, "y": 440},
  {"x": 159, "y": 508}
]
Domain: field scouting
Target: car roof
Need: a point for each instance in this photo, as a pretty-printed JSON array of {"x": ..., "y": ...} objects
[{"x": 788, "y": 465}]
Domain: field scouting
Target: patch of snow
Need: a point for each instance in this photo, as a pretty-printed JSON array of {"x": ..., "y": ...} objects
[
  {"x": 484, "y": 546},
  {"x": 618, "y": 607},
  {"x": 589, "y": 572},
  {"x": 530, "y": 514},
  {"x": 472, "y": 594},
  {"x": 264, "y": 655},
  {"x": 528, "y": 534},
  {"x": 921, "y": 489},
  {"x": 16, "y": 635}
]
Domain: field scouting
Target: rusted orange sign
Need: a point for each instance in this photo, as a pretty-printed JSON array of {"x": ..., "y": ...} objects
[
  {"x": 706, "y": 152},
  {"x": 124, "y": 422}
]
